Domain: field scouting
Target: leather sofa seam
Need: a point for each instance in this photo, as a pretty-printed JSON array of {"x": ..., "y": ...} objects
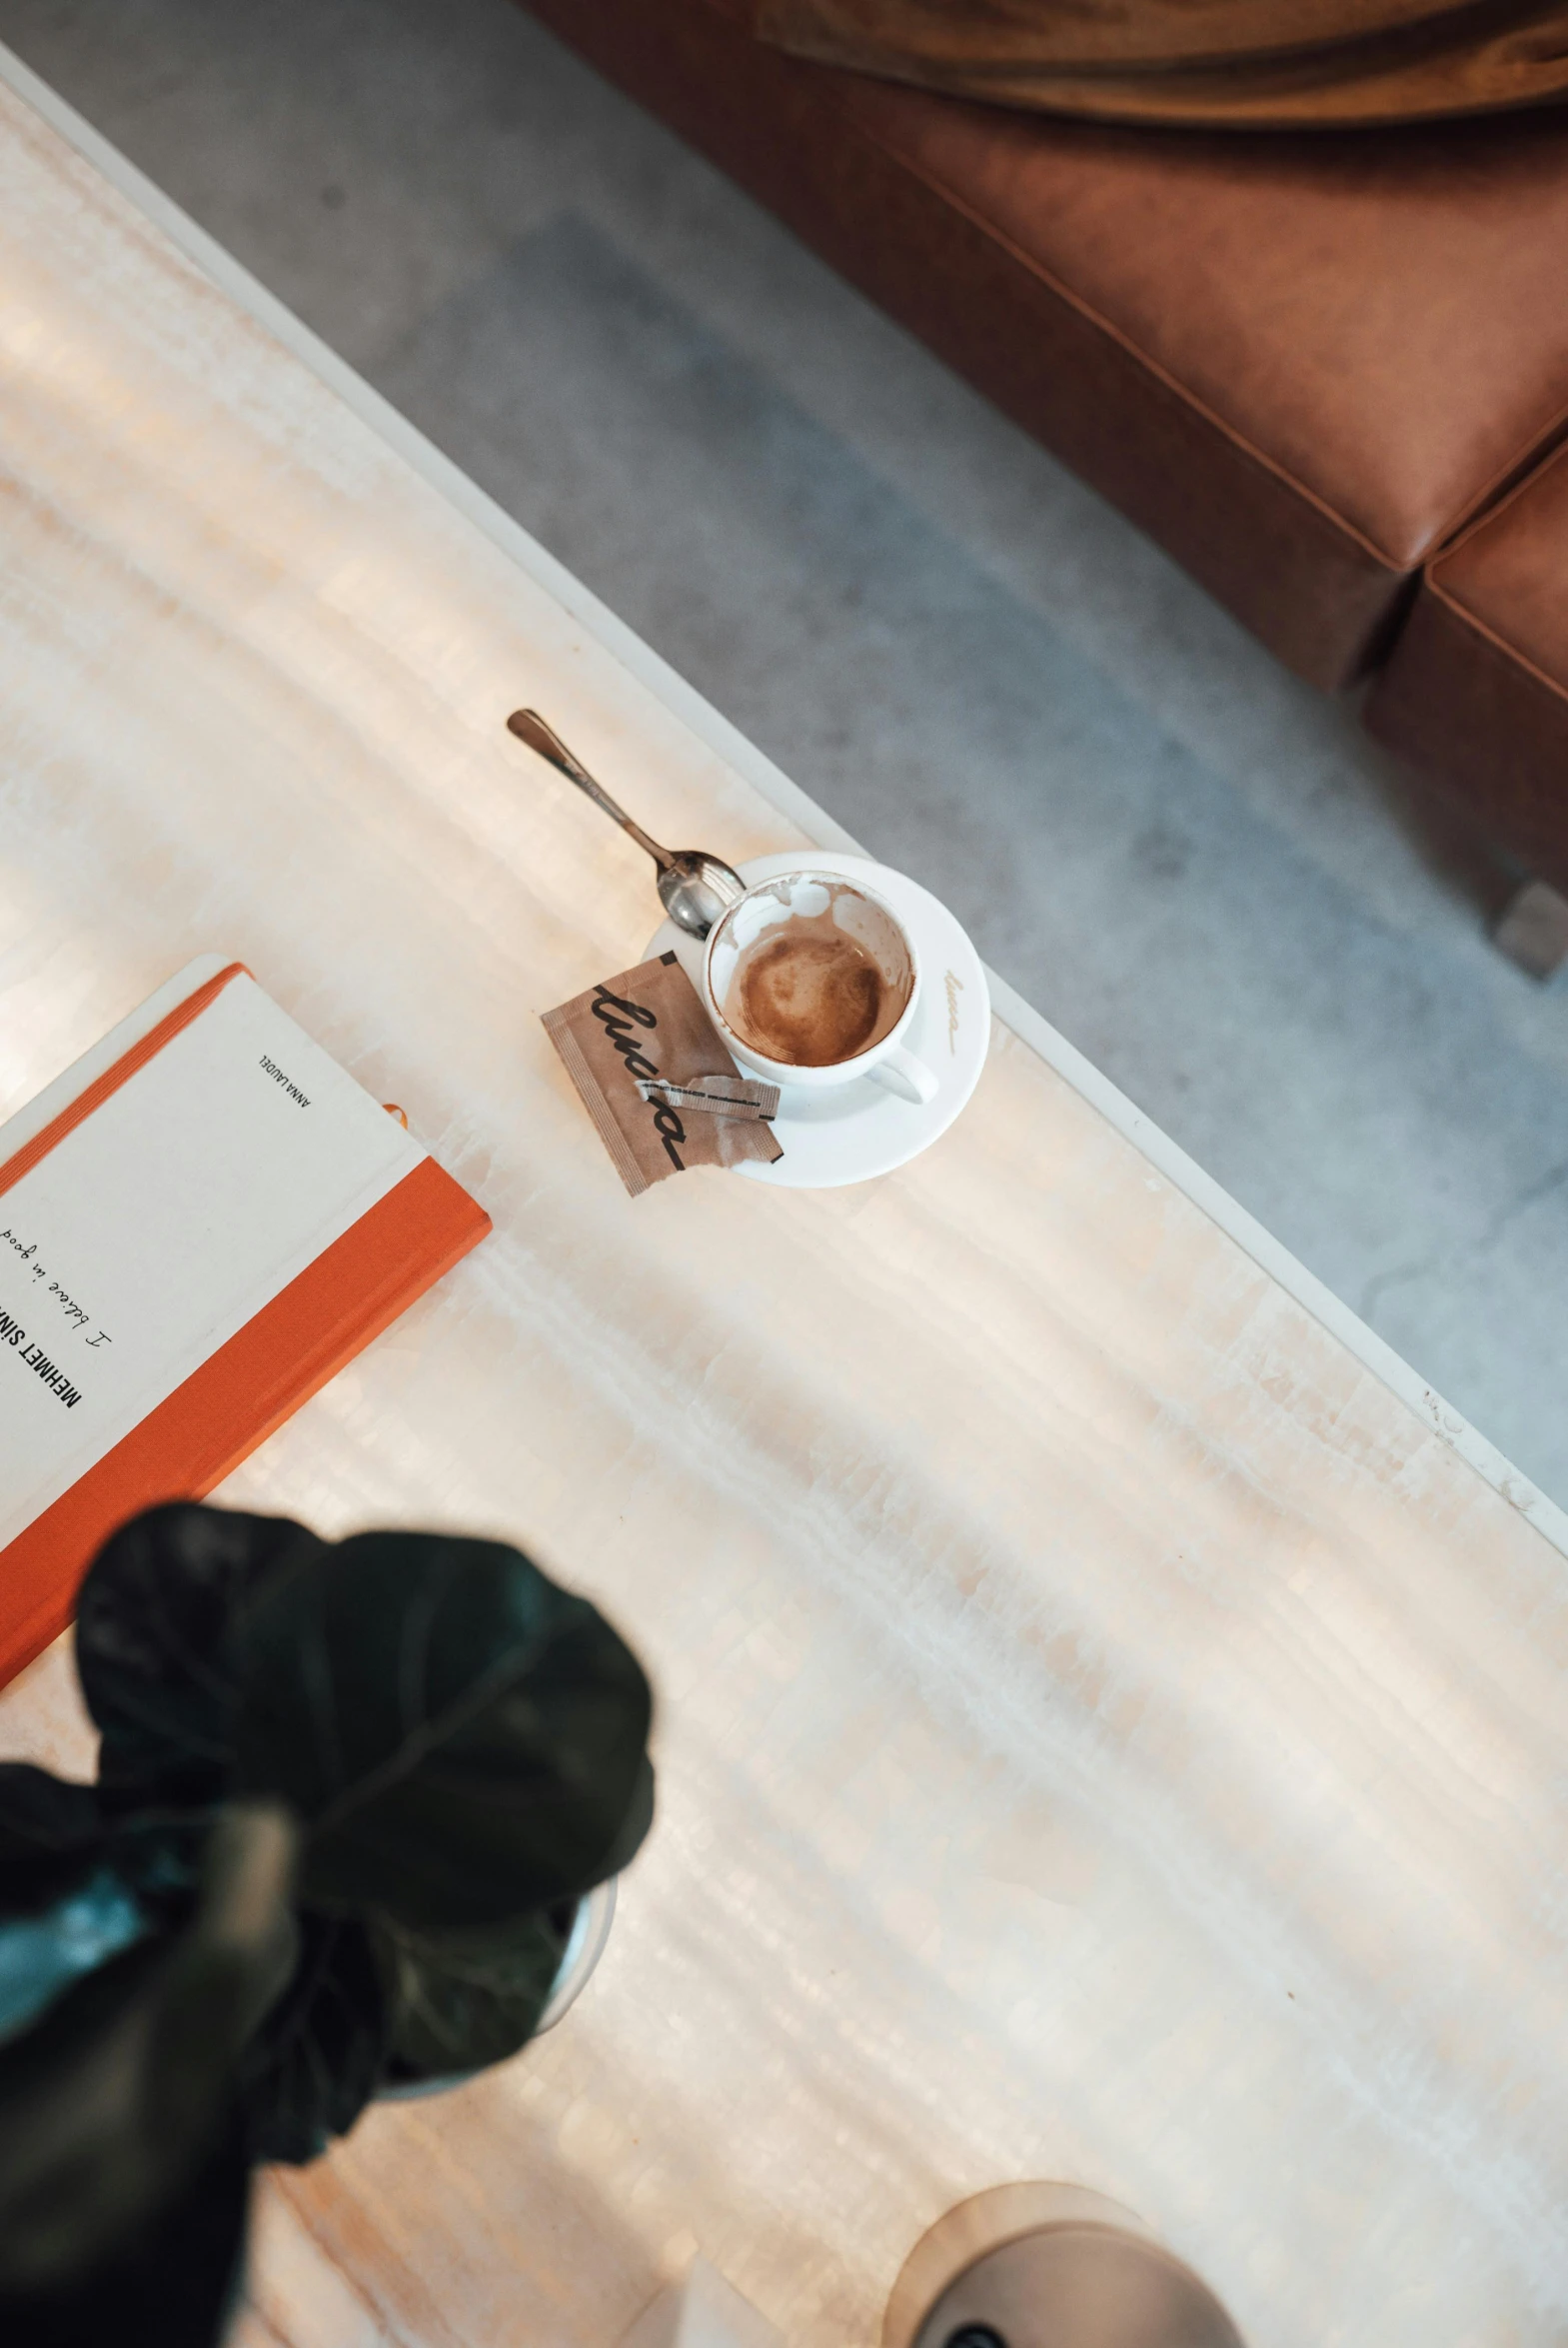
[
  {"x": 1479, "y": 521},
  {"x": 1488, "y": 640},
  {"x": 1509, "y": 480}
]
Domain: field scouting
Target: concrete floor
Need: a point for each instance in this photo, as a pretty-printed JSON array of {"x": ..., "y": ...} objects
[{"x": 1195, "y": 867}]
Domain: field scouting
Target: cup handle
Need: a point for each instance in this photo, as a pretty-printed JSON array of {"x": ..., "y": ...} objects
[{"x": 899, "y": 1072}]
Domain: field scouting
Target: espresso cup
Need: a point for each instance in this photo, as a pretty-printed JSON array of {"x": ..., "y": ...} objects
[{"x": 812, "y": 980}]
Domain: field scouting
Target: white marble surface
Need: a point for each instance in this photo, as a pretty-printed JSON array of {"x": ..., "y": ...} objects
[{"x": 1106, "y": 1733}]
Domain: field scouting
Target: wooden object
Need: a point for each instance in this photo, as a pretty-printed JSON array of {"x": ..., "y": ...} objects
[{"x": 1112, "y": 1716}]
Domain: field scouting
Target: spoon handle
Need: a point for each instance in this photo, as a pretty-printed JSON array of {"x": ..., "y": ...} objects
[{"x": 531, "y": 727}]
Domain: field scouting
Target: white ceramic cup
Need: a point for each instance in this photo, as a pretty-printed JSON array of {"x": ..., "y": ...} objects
[{"x": 804, "y": 891}]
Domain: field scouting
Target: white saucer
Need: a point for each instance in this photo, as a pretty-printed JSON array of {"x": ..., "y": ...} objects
[{"x": 854, "y": 1131}]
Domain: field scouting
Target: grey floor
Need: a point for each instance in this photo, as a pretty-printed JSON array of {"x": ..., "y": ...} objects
[{"x": 1196, "y": 868}]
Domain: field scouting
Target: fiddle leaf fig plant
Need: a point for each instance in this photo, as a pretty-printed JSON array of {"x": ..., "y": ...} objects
[
  {"x": 349, "y": 1797},
  {"x": 463, "y": 1741}
]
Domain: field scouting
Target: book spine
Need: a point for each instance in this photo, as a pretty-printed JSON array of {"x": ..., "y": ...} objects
[{"x": 104, "y": 1087}]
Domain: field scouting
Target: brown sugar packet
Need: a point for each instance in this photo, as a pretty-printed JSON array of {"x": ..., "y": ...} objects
[{"x": 646, "y": 1029}]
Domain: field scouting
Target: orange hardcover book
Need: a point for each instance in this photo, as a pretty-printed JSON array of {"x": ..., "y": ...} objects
[{"x": 199, "y": 1222}]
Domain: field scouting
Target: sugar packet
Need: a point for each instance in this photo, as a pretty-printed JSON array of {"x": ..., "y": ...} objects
[{"x": 656, "y": 1080}]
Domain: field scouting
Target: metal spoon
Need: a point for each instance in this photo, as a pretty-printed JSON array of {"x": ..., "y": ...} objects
[{"x": 696, "y": 889}]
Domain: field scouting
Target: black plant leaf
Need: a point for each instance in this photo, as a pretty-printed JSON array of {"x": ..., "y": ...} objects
[
  {"x": 318, "y": 2057},
  {"x": 151, "y": 1646},
  {"x": 70, "y": 1888},
  {"x": 464, "y": 1999},
  {"x": 54, "y": 1836},
  {"x": 175, "y": 2287},
  {"x": 636, "y": 1826},
  {"x": 51, "y": 1837},
  {"x": 159, "y": 1855},
  {"x": 77, "y": 1888},
  {"x": 109, "y": 2102},
  {"x": 463, "y": 1741}
]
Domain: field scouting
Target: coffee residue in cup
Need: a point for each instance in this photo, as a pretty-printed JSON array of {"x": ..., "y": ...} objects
[{"x": 810, "y": 994}]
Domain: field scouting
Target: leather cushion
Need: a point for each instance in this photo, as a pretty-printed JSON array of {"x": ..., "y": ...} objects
[
  {"x": 1299, "y": 360},
  {"x": 1381, "y": 315}
]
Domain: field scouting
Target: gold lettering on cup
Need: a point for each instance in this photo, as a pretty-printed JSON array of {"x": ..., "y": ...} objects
[{"x": 954, "y": 989}]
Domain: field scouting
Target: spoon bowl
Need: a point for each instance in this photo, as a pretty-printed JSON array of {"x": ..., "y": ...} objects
[{"x": 695, "y": 888}]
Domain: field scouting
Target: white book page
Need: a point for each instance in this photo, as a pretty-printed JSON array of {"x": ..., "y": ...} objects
[{"x": 163, "y": 1224}]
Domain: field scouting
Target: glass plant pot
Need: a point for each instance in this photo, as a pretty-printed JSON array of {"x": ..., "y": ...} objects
[{"x": 596, "y": 1912}]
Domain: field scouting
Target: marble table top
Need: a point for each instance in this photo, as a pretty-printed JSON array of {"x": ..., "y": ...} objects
[{"x": 1112, "y": 1718}]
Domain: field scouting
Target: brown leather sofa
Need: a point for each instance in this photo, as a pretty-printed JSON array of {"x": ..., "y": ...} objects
[{"x": 1316, "y": 368}]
